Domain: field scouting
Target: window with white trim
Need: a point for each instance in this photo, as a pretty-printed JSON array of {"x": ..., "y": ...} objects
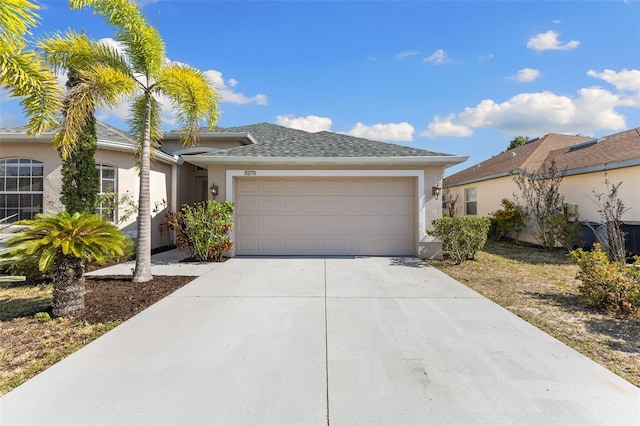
[
  {"x": 21, "y": 189},
  {"x": 471, "y": 201},
  {"x": 108, "y": 208}
]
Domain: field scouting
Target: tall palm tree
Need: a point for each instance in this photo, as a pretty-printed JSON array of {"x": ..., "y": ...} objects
[
  {"x": 140, "y": 69},
  {"x": 23, "y": 71},
  {"x": 62, "y": 243}
]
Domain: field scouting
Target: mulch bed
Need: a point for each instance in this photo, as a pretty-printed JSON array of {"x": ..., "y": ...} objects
[{"x": 112, "y": 298}]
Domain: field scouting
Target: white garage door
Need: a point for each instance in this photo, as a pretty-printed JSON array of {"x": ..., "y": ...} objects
[{"x": 325, "y": 216}]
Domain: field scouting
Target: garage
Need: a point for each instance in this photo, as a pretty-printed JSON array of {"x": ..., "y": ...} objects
[{"x": 325, "y": 216}]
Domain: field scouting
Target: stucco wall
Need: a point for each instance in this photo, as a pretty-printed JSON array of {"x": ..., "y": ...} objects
[
  {"x": 576, "y": 189},
  {"x": 127, "y": 180}
]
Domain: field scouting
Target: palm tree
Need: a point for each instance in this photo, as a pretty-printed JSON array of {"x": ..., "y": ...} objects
[
  {"x": 23, "y": 71},
  {"x": 140, "y": 69},
  {"x": 62, "y": 243}
]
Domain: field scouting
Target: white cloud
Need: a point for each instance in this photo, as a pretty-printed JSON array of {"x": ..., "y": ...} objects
[
  {"x": 407, "y": 54},
  {"x": 227, "y": 94},
  {"x": 557, "y": 21},
  {"x": 310, "y": 123},
  {"x": 549, "y": 41},
  {"x": 592, "y": 109},
  {"x": 390, "y": 131},
  {"x": 526, "y": 75},
  {"x": 438, "y": 57},
  {"x": 445, "y": 127},
  {"x": 625, "y": 80}
]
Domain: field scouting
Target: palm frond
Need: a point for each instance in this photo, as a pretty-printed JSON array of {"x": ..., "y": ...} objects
[
  {"x": 25, "y": 75},
  {"x": 17, "y": 16},
  {"x": 100, "y": 85},
  {"x": 144, "y": 45},
  {"x": 72, "y": 50},
  {"x": 193, "y": 98}
]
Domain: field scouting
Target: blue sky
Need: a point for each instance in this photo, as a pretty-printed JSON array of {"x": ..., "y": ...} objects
[{"x": 457, "y": 77}]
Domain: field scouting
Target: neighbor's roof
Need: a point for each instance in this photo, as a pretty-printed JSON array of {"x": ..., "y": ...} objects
[
  {"x": 576, "y": 154},
  {"x": 278, "y": 141}
]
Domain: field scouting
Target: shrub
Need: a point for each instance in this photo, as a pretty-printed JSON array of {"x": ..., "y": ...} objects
[
  {"x": 608, "y": 286},
  {"x": 508, "y": 221},
  {"x": 203, "y": 229},
  {"x": 561, "y": 231},
  {"x": 462, "y": 237},
  {"x": 26, "y": 266}
]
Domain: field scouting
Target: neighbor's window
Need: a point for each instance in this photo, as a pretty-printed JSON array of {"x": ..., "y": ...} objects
[
  {"x": 109, "y": 205},
  {"x": 470, "y": 201},
  {"x": 21, "y": 189}
]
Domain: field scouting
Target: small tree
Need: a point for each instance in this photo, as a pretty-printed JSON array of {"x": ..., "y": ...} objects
[
  {"x": 518, "y": 141},
  {"x": 449, "y": 207},
  {"x": 80, "y": 177},
  {"x": 543, "y": 202},
  {"x": 611, "y": 209},
  {"x": 62, "y": 243}
]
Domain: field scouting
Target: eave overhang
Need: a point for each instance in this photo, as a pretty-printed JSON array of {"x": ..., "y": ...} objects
[{"x": 443, "y": 160}]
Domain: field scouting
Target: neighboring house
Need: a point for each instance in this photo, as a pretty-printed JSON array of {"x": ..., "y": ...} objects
[
  {"x": 295, "y": 192},
  {"x": 481, "y": 187}
]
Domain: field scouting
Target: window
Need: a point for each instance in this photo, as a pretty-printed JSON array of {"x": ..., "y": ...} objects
[
  {"x": 108, "y": 191},
  {"x": 21, "y": 189},
  {"x": 470, "y": 201}
]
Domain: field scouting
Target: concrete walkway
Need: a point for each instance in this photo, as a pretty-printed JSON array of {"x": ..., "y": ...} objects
[{"x": 312, "y": 341}]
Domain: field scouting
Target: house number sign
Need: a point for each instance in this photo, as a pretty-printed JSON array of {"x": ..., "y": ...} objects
[{"x": 250, "y": 173}]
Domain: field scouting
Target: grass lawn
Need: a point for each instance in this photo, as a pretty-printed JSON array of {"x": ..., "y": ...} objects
[{"x": 540, "y": 287}]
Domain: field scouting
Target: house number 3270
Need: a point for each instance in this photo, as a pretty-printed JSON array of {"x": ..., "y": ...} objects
[{"x": 249, "y": 172}]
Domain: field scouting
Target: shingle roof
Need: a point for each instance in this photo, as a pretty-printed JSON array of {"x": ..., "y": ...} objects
[
  {"x": 278, "y": 141},
  {"x": 614, "y": 148},
  {"x": 569, "y": 153},
  {"x": 104, "y": 132}
]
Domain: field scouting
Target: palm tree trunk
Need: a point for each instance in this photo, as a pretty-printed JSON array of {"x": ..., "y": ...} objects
[
  {"x": 68, "y": 285},
  {"x": 142, "y": 271}
]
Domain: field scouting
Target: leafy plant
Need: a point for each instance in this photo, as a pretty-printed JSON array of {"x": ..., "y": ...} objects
[
  {"x": 508, "y": 221},
  {"x": 543, "y": 202},
  {"x": 608, "y": 286},
  {"x": 203, "y": 229},
  {"x": 62, "y": 242},
  {"x": 461, "y": 237}
]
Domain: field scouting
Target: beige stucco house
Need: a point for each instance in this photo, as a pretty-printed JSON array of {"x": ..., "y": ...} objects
[
  {"x": 295, "y": 192},
  {"x": 587, "y": 161}
]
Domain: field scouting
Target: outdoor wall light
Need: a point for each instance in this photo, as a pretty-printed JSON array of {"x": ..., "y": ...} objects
[
  {"x": 435, "y": 191},
  {"x": 214, "y": 190}
]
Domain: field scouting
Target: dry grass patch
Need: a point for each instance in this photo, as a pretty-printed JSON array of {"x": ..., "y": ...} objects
[{"x": 540, "y": 287}]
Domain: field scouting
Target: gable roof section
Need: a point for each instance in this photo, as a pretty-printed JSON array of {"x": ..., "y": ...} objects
[
  {"x": 277, "y": 142},
  {"x": 610, "y": 152},
  {"x": 109, "y": 137},
  {"x": 575, "y": 154},
  {"x": 530, "y": 156}
]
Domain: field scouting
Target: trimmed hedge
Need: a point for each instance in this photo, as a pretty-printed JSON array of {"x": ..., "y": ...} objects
[{"x": 462, "y": 237}]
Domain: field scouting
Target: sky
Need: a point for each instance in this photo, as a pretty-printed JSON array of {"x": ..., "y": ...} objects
[{"x": 457, "y": 77}]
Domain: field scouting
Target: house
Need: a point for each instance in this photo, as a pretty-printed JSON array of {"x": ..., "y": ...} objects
[
  {"x": 586, "y": 162},
  {"x": 295, "y": 192}
]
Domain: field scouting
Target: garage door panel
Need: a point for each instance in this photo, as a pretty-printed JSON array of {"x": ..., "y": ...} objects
[{"x": 325, "y": 216}]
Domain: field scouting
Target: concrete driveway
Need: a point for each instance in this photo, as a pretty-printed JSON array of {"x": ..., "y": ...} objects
[{"x": 310, "y": 341}]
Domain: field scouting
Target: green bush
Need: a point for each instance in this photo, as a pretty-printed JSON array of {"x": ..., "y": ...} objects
[
  {"x": 203, "y": 229},
  {"x": 462, "y": 237},
  {"x": 508, "y": 221},
  {"x": 608, "y": 286},
  {"x": 558, "y": 231},
  {"x": 25, "y": 266}
]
